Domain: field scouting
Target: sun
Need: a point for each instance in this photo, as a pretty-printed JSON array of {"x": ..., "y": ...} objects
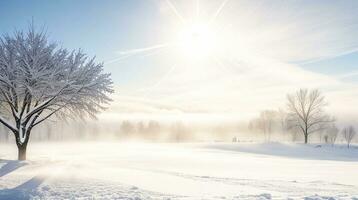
[
  {"x": 196, "y": 40},
  {"x": 198, "y": 37}
]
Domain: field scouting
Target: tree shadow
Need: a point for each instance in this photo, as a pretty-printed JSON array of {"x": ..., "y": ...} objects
[
  {"x": 10, "y": 166},
  {"x": 24, "y": 191},
  {"x": 32, "y": 183}
]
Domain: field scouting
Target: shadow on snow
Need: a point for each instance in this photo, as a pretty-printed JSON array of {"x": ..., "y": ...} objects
[
  {"x": 10, "y": 166},
  {"x": 23, "y": 191}
]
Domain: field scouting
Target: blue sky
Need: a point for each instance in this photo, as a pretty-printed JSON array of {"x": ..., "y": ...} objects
[
  {"x": 103, "y": 27},
  {"x": 257, "y": 49},
  {"x": 99, "y": 27},
  {"x": 341, "y": 65}
]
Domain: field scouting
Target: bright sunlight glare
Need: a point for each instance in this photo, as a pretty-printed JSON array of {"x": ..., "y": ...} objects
[{"x": 196, "y": 41}]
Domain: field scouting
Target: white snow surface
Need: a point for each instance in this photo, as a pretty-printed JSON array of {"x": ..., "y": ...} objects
[{"x": 138, "y": 171}]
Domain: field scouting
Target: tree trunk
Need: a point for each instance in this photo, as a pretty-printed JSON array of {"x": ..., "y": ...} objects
[
  {"x": 22, "y": 144},
  {"x": 22, "y": 152},
  {"x": 306, "y": 138}
]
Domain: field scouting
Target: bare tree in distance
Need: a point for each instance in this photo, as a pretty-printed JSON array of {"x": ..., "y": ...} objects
[
  {"x": 264, "y": 123},
  {"x": 348, "y": 134},
  {"x": 127, "y": 129},
  {"x": 268, "y": 117},
  {"x": 306, "y": 111},
  {"x": 332, "y": 133},
  {"x": 293, "y": 130},
  {"x": 282, "y": 118},
  {"x": 39, "y": 80}
]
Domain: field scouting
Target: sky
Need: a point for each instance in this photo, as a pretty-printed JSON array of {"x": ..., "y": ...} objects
[{"x": 207, "y": 59}]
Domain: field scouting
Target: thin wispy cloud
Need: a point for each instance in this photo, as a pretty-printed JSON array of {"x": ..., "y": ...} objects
[
  {"x": 347, "y": 75},
  {"x": 142, "y": 50}
]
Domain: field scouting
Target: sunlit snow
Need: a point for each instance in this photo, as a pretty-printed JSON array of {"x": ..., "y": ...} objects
[{"x": 179, "y": 171}]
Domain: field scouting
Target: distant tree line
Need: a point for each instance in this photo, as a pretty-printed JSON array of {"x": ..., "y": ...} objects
[{"x": 134, "y": 129}]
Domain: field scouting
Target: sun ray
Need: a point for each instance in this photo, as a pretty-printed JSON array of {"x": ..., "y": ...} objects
[
  {"x": 133, "y": 52},
  {"x": 152, "y": 53},
  {"x": 197, "y": 9},
  {"x": 217, "y": 13},
  {"x": 144, "y": 49},
  {"x": 176, "y": 12},
  {"x": 123, "y": 57},
  {"x": 155, "y": 85}
]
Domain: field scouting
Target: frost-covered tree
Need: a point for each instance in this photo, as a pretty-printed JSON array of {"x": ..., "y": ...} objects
[
  {"x": 39, "y": 80},
  {"x": 348, "y": 134},
  {"x": 306, "y": 111}
]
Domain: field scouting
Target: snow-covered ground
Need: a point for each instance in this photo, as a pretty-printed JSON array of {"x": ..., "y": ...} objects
[{"x": 179, "y": 171}]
